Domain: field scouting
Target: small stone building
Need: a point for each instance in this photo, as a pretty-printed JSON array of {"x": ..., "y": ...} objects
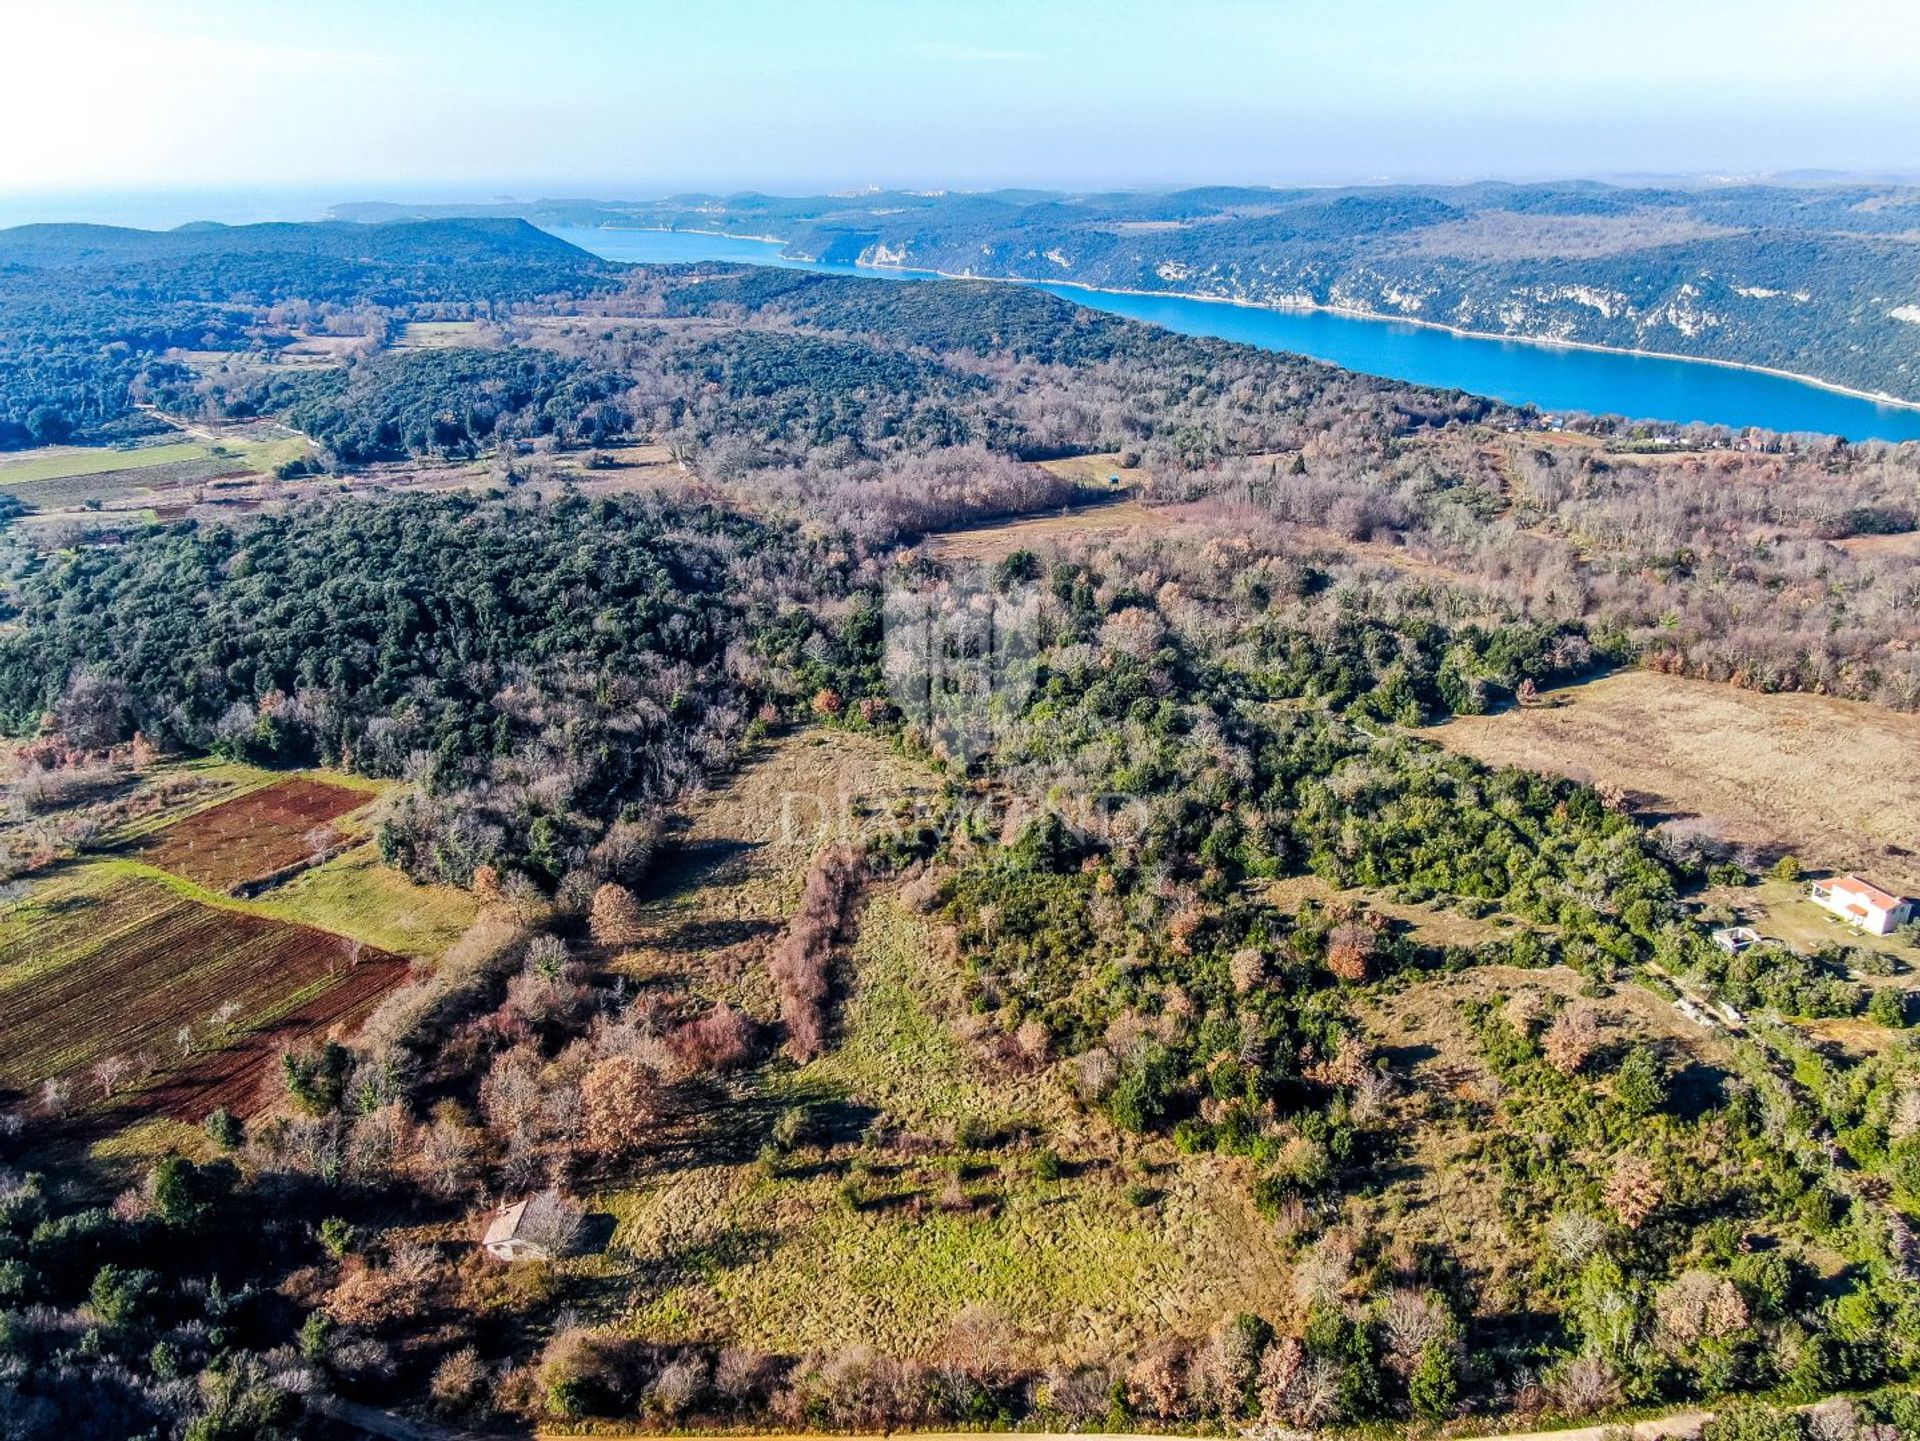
[{"x": 504, "y": 1241}]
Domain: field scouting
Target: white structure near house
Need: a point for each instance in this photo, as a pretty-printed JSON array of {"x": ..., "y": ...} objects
[
  {"x": 503, "y": 1238},
  {"x": 1863, "y": 904},
  {"x": 1735, "y": 939}
]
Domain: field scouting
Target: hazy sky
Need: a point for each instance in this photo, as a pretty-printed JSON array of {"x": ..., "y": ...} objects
[{"x": 440, "y": 100}]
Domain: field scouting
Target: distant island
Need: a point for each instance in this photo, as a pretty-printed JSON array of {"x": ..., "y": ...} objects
[{"x": 1820, "y": 280}]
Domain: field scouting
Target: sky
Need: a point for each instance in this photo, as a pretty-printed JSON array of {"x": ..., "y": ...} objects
[{"x": 305, "y": 103}]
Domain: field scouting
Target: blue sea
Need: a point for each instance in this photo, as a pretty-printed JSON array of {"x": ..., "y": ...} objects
[{"x": 1552, "y": 377}]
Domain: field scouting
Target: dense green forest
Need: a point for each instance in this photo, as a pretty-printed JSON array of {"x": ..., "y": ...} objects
[
  {"x": 487, "y": 649},
  {"x": 438, "y": 403},
  {"x": 87, "y": 312}
]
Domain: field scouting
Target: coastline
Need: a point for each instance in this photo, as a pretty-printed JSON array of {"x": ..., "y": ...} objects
[
  {"x": 675, "y": 230},
  {"x": 1348, "y": 312}
]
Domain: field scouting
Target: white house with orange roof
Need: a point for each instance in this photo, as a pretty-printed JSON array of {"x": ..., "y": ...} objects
[{"x": 1862, "y": 903}]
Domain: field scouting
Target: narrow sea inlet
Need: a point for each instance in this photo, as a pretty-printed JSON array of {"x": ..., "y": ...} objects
[{"x": 1552, "y": 377}]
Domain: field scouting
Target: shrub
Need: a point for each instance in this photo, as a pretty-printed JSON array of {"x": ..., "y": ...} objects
[
  {"x": 793, "y": 1127},
  {"x": 1765, "y": 1279},
  {"x": 615, "y": 917},
  {"x": 618, "y": 1100},
  {"x": 224, "y": 1129},
  {"x": 1139, "y": 1098},
  {"x": 1633, "y": 1189},
  {"x": 1641, "y": 1082},
  {"x": 1586, "y": 1384},
  {"x": 459, "y": 1381},
  {"x": 1571, "y": 1039},
  {"x": 799, "y": 961},
  {"x": 1350, "y": 949},
  {"x": 721, "y": 1040},
  {"x": 1888, "y": 1008},
  {"x": 1433, "y": 1388},
  {"x": 336, "y": 1236}
]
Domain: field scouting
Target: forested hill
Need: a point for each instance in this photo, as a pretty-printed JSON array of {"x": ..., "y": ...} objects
[
  {"x": 330, "y": 259},
  {"x": 1819, "y": 280},
  {"x": 88, "y": 313}
]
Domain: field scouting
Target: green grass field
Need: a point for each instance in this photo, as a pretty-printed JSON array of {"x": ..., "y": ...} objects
[
  {"x": 76, "y": 475},
  {"x": 356, "y": 895},
  {"x": 57, "y": 462},
  {"x": 899, "y": 1054}
]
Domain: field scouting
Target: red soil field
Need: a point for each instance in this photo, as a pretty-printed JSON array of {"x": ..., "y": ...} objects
[
  {"x": 252, "y": 836},
  {"x": 233, "y": 1077},
  {"x": 154, "y": 962}
]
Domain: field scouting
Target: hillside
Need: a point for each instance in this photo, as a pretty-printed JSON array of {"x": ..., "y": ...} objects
[
  {"x": 1816, "y": 280},
  {"x": 914, "y": 827},
  {"x": 90, "y": 316}
]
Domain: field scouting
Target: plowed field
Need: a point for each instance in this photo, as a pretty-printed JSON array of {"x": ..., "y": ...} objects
[
  {"x": 123, "y": 967},
  {"x": 254, "y": 835}
]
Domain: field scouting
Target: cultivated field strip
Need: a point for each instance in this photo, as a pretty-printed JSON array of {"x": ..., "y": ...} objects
[
  {"x": 148, "y": 976},
  {"x": 59, "y": 492},
  {"x": 255, "y": 835}
]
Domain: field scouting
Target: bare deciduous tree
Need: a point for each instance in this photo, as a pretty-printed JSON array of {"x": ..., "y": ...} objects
[
  {"x": 109, "y": 1072},
  {"x": 552, "y": 1222}
]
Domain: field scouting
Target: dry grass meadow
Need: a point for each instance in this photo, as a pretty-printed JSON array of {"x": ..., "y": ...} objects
[
  {"x": 1836, "y": 783},
  {"x": 990, "y": 543}
]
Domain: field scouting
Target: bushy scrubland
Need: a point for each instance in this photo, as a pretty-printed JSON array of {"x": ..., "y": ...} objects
[{"x": 1185, "y": 721}]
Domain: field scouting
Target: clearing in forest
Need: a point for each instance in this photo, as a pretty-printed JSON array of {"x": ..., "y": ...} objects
[
  {"x": 1834, "y": 782},
  {"x": 439, "y": 334},
  {"x": 1106, "y": 505},
  {"x": 1430, "y": 924},
  {"x": 1784, "y": 911},
  {"x": 74, "y": 476},
  {"x": 919, "y": 1207},
  {"x": 1097, "y": 472},
  {"x": 150, "y": 1002},
  {"x": 728, "y": 879},
  {"x": 990, "y": 543},
  {"x": 1904, "y": 545},
  {"x": 256, "y": 835},
  {"x": 918, "y": 1193}
]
